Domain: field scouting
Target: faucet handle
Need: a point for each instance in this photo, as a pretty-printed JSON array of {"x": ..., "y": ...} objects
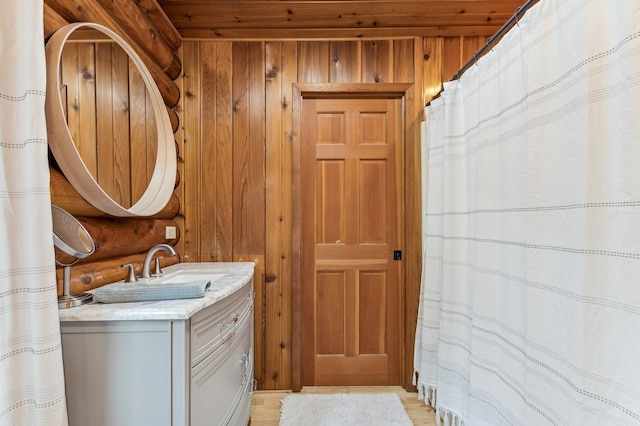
[
  {"x": 131, "y": 277},
  {"x": 156, "y": 270}
]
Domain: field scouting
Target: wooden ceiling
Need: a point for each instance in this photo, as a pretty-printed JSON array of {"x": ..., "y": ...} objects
[{"x": 345, "y": 19}]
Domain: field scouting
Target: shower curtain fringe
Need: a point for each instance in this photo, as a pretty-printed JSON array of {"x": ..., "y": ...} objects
[{"x": 444, "y": 416}]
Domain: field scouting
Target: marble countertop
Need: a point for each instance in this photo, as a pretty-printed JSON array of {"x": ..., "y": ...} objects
[{"x": 237, "y": 274}]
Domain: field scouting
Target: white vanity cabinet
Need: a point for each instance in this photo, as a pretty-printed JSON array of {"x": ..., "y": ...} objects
[{"x": 193, "y": 371}]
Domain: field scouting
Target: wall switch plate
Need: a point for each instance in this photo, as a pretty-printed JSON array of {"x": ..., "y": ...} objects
[{"x": 170, "y": 232}]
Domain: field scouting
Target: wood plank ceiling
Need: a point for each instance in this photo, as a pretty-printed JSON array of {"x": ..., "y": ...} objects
[{"x": 344, "y": 19}]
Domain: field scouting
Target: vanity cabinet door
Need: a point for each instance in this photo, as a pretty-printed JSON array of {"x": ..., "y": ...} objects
[{"x": 117, "y": 373}]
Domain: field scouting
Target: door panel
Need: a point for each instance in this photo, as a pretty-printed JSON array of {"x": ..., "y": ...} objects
[{"x": 350, "y": 150}]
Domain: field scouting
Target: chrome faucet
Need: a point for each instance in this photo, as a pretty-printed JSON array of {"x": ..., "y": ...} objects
[{"x": 146, "y": 266}]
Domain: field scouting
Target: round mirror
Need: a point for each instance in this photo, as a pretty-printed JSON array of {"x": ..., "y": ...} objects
[
  {"x": 107, "y": 123},
  {"x": 69, "y": 235}
]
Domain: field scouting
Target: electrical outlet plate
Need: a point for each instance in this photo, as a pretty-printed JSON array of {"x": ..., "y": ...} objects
[{"x": 170, "y": 232}]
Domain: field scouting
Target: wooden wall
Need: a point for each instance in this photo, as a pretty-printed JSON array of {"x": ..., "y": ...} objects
[
  {"x": 231, "y": 109},
  {"x": 236, "y": 160}
]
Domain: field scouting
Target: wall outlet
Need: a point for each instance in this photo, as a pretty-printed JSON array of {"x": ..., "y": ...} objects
[{"x": 170, "y": 232}]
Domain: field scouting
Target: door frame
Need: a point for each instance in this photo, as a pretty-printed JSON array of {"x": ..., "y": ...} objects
[{"x": 333, "y": 90}]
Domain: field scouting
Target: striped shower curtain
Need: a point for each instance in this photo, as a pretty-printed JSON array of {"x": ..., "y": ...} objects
[
  {"x": 530, "y": 304},
  {"x": 31, "y": 375}
]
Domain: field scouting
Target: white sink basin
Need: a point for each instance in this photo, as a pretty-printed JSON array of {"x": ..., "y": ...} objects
[{"x": 187, "y": 276}]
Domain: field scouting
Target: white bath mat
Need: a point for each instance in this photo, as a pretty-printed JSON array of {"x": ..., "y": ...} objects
[{"x": 352, "y": 409}]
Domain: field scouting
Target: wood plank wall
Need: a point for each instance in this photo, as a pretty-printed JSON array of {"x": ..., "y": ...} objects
[
  {"x": 233, "y": 124},
  {"x": 236, "y": 160}
]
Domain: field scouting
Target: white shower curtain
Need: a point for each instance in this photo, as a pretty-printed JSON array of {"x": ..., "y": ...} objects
[
  {"x": 31, "y": 374},
  {"x": 530, "y": 306}
]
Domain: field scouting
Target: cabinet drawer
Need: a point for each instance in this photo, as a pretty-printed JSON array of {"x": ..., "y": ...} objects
[
  {"x": 213, "y": 327},
  {"x": 220, "y": 383}
]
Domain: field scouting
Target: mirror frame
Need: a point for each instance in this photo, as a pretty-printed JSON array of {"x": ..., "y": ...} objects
[{"x": 162, "y": 182}]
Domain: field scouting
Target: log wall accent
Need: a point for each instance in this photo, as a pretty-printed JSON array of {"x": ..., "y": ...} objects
[
  {"x": 65, "y": 196},
  {"x": 139, "y": 28},
  {"x": 146, "y": 28},
  {"x": 87, "y": 276},
  {"x": 52, "y": 21},
  {"x": 115, "y": 237},
  {"x": 174, "y": 119},
  {"x": 236, "y": 160},
  {"x": 161, "y": 22},
  {"x": 91, "y": 11}
]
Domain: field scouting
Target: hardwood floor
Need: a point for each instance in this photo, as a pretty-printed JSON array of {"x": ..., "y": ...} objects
[{"x": 265, "y": 410}]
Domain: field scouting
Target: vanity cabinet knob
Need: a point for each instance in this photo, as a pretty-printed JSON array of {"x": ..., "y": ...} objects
[
  {"x": 244, "y": 367},
  {"x": 245, "y": 363},
  {"x": 224, "y": 328}
]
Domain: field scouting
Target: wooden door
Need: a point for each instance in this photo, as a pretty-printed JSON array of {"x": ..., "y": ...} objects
[{"x": 351, "y": 205}]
